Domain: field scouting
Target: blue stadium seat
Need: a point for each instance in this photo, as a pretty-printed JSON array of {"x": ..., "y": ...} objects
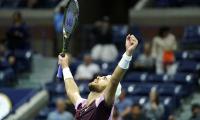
[
  {"x": 138, "y": 89},
  {"x": 24, "y": 60},
  {"x": 188, "y": 66},
  {"x": 138, "y": 99},
  {"x": 164, "y": 89},
  {"x": 174, "y": 90},
  {"x": 169, "y": 105},
  {"x": 56, "y": 88},
  {"x": 191, "y": 35},
  {"x": 188, "y": 55},
  {"x": 181, "y": 55},
  {"x": 135, "y": 77},
  {"x": 74, "y": 65},
  {"x": 7, "y": 77},
  {"x": 10, "y": 3},
  {"x": 195, "y": 55},
  {"x": 183, "y": 78},
  {"x": 44, "y": 113},
  {"x": 83, "y": 87},
  {"x": 158, "y": 78},
  {"x": 119, "y": 33},
  {"x": 162, "y": 3}
]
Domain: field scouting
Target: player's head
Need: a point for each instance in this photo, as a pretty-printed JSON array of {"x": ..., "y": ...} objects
[{"x": 100, "y": 83}]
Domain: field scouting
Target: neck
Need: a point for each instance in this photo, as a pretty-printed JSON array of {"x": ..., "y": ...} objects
[{"x": 92, "y": 96}]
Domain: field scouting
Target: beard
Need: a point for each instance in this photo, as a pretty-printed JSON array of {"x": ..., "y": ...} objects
[
  {"x": 92, "y": 87},
  {"x": 95, "y": 88}
]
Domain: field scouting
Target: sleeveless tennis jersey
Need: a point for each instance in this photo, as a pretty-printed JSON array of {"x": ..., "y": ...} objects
[{"x": 98, "y": 110}]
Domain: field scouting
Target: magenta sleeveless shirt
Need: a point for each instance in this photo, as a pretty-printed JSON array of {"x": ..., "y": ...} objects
[{"x": 98, "y": 110}]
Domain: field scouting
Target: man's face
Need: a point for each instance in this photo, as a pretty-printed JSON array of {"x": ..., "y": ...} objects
[
  {"x": 136, "y": 111},
  {"x": 2, "y": 48},
  {"x": 60, "y": 105},
  {"x": 99, "y": 83},
  {"x": 87, "y": 59},
  {"x": 152, "y": 96},
  {"x": 147, "y": 49}
]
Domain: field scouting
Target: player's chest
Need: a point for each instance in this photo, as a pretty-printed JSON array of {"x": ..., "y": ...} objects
[{"x": 86, "y": 113}]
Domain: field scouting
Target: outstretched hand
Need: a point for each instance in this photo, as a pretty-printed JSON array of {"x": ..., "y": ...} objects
[
  {"x": 131, "y": 44},
  {"x": 63, "y": 60}
]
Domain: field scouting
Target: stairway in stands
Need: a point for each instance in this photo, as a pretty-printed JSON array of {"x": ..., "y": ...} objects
[{"x": 42, "y": 72}]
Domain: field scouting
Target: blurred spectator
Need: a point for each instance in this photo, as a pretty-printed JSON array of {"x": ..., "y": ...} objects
[
  {"x": 32, "y": 3},
  {"x": 145, "y": 61},
  {"x": 136, "y": 113},
  {"x": 154, "y": 110},
  {"x": 171, "y": 117},
  {"x": 58, "y": 22},
  {"x": 7, "y": 60},
  {"x": 123, "y": 104},
  {"x": 51, "y": 3},
  {"x": 195, "y": 112},
  {"x": 116, "y": 115},
  {"x": 17, "y": 34},
  {"x": 87, "y": 70},
  {"x": 29, "y": 4},
  {"x": 164, "y": 45},
  {"x": 60, "y": 113},
  {"x": 104, "y": 49}
]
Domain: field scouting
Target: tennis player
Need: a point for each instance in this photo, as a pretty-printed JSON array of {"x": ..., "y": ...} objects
[{"x": 100, "y": 101}]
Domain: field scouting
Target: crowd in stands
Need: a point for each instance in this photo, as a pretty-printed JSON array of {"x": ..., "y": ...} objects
[
  {"x": 176, "y": 3},
  {"x": 15, "y": 51},
  {"x": 155, "y": 82},
  {"x": 31, "y": 4}
]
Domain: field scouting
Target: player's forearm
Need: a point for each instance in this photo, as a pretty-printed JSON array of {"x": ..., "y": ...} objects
[
  {"x": 115, "y": 79},
  {"x": 117, "y": 75},
  {"x": 70, "y": 85},
  {"x": 121, "y": 68}
]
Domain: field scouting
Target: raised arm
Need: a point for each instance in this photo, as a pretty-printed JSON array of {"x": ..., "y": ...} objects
[
  {"x": 109, "y": 93},
  {"x": 70, "y": 85}
]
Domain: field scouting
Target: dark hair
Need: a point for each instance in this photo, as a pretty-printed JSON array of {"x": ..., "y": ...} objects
[
  {"x": 163, "y": 30},
  {"x": 195, "y": 106},
  {"x": 136, "y": 105},
  {"x": 2, "y": 42},
  {"x": 62, "y": 9}
]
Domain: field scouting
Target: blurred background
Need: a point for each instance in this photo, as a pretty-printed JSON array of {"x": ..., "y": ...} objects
[{"x": 162, "y": 82}]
